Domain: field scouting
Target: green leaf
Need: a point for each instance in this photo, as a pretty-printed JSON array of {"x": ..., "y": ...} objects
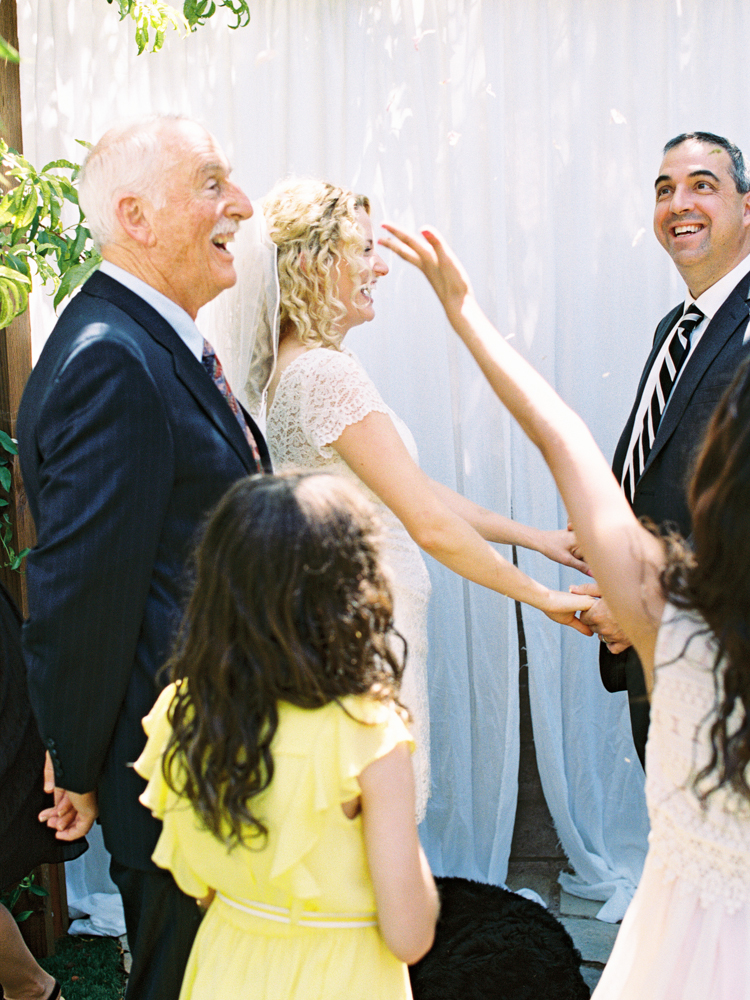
[
  {"x": 8, "y": 444},
  {"x": 75, "y": 277},
  {"x": 16, "y": 564},
  {"x": 75, "y": 249},
  {"x": 5, "y": 478},
  {"x": 7, "y": 211},
  {"x": 31, "y": 235},
  {"x": 29, "y": 209},
  {"x": 24, "y": 915},
  {"x": 51, "y": 240},
  {"x": 16, "y": 263},
  {"x": 7, "y": 306},
  {"x": 14, "y": 296},
  {"x": 240, "y": 10},
  {"x": 141, "y": 38},
  {"x": 47, "y": 273},
  {"x": 10, "y": 206},
  {"x": 195, "y": 11},
  {"x": 44, "y": 188},
  {"x": 16, "y": 277},
  {"x": 8, "y": 53},
  {"x": 63, "y": 164}
]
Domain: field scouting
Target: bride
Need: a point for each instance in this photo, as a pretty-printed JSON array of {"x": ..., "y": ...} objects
[{"x": 324, "y": 412}]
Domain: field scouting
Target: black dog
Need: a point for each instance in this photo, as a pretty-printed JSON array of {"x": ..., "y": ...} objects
[{"x": 491, "y": 944}]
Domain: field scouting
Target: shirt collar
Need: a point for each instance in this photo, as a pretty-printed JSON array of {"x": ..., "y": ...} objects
[
  {"x": 175, "y": 315},
  {"x": 714, "y": 297}
]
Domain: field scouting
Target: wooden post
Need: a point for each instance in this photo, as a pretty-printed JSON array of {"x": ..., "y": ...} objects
[
  {"x": 15, "y": 340},
  {"x": 15, "y": 365},
  {"x": 49, "y": 917}
]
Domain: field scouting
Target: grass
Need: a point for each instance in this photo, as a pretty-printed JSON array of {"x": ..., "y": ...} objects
[{"x": 87, "y": 968}]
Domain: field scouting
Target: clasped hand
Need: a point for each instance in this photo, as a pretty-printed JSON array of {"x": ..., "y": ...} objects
[
  {"x": 73, "y": 813},
  {"x": 599, "y": 619}
]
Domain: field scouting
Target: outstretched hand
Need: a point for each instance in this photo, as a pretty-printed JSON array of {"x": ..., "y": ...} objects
[
  {"x": 561, "y": 545},
  {"x": 435, "y": 260},
  {"x": 563, "y": 611}
]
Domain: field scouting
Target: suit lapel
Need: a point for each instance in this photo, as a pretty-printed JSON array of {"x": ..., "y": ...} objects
[
  {"x": 724, "y": 324},
  {"x": 662, "y": 331},
  {"x": 187, "y": 368}
]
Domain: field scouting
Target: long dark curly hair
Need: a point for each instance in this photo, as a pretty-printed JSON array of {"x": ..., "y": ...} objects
[
  {"x": 714, "y": 579},
  {"x": 289, "y": 603}
]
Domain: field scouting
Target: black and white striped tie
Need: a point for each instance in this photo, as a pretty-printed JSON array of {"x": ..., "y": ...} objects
[{"x": 677, "y": 350}]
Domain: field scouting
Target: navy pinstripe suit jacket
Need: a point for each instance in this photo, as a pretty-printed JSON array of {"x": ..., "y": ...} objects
[
  {"x": 661, "y": 492},
  {"x": 125, "y": 444}
]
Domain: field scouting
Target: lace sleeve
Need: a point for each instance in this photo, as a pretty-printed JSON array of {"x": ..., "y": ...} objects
[{"x": 333, "y": 391}]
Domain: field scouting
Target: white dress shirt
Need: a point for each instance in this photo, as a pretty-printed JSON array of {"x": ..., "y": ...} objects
[
  {"x": 709, "y": 304},
  {"x": 175, "y": 315}
]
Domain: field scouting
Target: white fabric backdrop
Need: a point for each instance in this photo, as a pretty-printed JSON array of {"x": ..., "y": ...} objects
[{"x": 529, "y": 132}]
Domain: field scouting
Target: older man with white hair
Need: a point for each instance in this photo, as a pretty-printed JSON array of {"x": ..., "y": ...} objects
[{"x": 128, "y": 435}]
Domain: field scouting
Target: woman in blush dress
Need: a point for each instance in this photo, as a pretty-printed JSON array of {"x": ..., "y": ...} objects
[
  {"x": 686, "y": 934},
  {"x": 324, "y": 412}
]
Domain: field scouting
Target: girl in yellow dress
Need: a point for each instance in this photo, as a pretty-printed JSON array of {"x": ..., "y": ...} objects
[{"x": 278, "y": 757}]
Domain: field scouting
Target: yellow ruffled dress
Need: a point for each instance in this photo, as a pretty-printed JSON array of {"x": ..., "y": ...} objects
[{"x": 295, "y": 918}]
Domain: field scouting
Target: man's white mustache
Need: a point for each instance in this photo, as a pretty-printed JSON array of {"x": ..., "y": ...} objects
[{"x": 226, "y": 228}]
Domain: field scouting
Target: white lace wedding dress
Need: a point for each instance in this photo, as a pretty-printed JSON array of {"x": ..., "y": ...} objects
[
  {"x": 319, "y": 394},
  {"x": 686, "y": 934}
]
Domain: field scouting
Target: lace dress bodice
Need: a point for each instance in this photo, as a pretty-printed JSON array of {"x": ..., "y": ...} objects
[
  {"x": 706, "y": 847},
  {"x": 686, "y": 934},
  {"x": 319, "y": 394}
]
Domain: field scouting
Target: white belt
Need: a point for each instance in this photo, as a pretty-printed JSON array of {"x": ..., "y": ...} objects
[{"x": 306, "y": 918}]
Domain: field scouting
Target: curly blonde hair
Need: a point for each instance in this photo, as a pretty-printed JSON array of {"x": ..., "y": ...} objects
[{"x": 314, "y": 226}]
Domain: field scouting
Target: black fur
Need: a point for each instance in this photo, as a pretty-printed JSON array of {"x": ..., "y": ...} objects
[{"x": 491, "y": 944}]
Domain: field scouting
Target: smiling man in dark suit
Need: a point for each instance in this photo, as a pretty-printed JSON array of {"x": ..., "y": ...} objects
[
  {"x": 126, "y": 440},
  {"x": 702, "y": 219}
]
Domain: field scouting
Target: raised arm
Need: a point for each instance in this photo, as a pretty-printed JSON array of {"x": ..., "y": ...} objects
[
  {"x": 625, "y": 558},
  {"x": 373, "y": 449}
]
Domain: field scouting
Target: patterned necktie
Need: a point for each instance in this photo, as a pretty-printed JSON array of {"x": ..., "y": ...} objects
[
  {"x": 213, "y": 366},
  {"x": 672, "y": 361}
]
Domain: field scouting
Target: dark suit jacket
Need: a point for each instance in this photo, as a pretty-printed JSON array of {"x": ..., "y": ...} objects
[
  {"x": 26, "y": 843},
  {"x": 661, "y": 492},
  {"x": 125, "y": 444}
]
